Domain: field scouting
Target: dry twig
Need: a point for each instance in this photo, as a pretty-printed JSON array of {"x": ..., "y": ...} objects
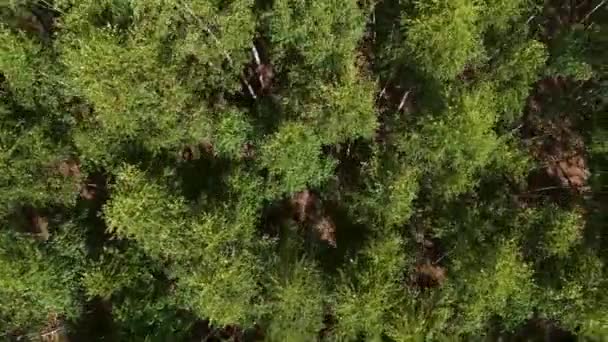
[
  {"x": 594, "y": 10},
  {"x": 403, "y": 99}
]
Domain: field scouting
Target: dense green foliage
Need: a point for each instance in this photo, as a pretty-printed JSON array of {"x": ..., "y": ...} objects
[{"x": 302, "y": 170}]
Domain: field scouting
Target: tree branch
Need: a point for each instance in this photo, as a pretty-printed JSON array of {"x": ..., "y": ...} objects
[
  {"x": 602, "y": 3},
  {"x": 403, "y": 99},
  {"x": 52, "y": 332},
  {"x": 256, "y": 55}
]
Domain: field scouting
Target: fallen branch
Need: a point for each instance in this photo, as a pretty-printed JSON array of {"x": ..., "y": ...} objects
[
  {"x": 52, "y": 332},
  {"x": 256, "y": 55},
  {"x": 558, "y": 187},
  {"x": 374, "y": 26},
  {"x": 52, "y": 7},
  {"x": 442, "y": 257},
  {"x": 530, "y": 19},
  {"x": 382, "y": 92},
  {"x": 258, "y": 61},
  {"x": 594, "y": 10},
  {"x": 249, "y": 87},
  {"x": 403, "y": 99},
  {"x": 516, "y": 129}
]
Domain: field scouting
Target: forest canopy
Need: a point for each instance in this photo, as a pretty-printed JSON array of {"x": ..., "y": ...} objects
[{"x": 303, "y": 170}]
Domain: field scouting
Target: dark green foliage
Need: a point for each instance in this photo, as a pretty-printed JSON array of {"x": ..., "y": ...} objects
[
  {"x": 510, "y": 295},
  {"x": 458, "y": 144},
  {"x": 568, "y": 57},
  {"x": 37, "y": 284},
  {"x": 297, "y": 304},
  {"x": 294, "y": 160},
  {"x": 443, "y": 38},
  {"x": 498, "y": 14},
  {"x": 301, "y": 170},
  {"x": 369, "y": 289},
  {"x": 224, "y": 281},
  {"x": 30, "y": 167},
  {"x": 514, "y": 76},
  {"x": 324, "y": 33}
]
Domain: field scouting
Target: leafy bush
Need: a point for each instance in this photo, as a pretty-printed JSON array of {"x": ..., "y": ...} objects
[{"x": 297, "y": 170}]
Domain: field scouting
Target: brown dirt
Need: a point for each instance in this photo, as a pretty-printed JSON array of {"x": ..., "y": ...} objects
[
  {"x": 249, "y": 151},
  {"x": 397, "y": 97},
  {"x": 69, "y": 168},
  {"x": 195, "y": 151},
  {"x": 259, "y": 72},
  {"x": 304, "y": 203},
  {"x": 37, "y": 223},
  {"x": 54, "y": 330},
  {"x": 88, "y": 187},
  {"x": 187, "y": 154},
  {"x": 539, "y": 329},
  {"x": 40, "y": 225},
  {"x": 559, "y": 15},
  {"x": 202, "y": 331},
  {"x": 428, "y": 275},
  {"x": 554, "y": 141},
  {"x": 309, "y": 211},
  {"x": 89, "y": 192},
  {"x": 329, "y": 322}
]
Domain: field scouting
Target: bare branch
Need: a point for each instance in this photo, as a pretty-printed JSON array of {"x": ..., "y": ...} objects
[
  {"x": 602, "y": 3},
  {"x": 258, "y": 61},
  {"x": 256, "y": 55},
  {"x": 558, "y": 187},
  {"x": 530, "y": 19},
  {"x": 249, "y": 87},
  {"x": 382, "y": 92},
  {"x": 403, "y": 99},
  {"x": 516, "y": 129},
  {"x": 52, "y": 332},
  {"x": 442, "y": 257},
  {"x": 52, "y": 7}
]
